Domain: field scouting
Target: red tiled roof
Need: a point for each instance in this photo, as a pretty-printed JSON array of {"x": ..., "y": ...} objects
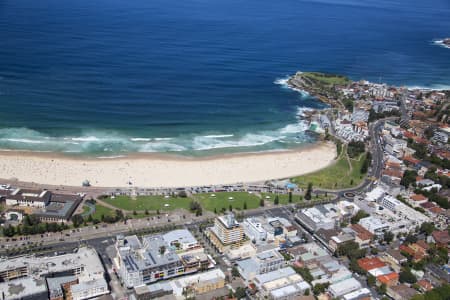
[
  {"x": 418, "y": 197},
  {"x": 441, "y": 237},
  {"x": 423, "y": 244},
  {"x": 386, "y": 279},
  {"x": 368, "y": 264},
  {"x": 436, "y": 210},
  {"x": 425, "y": 284},
  {"x": 393, "y": 173},
  {"x": 363, "y": 234},
  {"x": 411, "y": 160},
  {"x": 428, "y": 205}
]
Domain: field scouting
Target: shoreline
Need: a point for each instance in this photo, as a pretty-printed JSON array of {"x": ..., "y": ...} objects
[{"x": 164, "y": 170}]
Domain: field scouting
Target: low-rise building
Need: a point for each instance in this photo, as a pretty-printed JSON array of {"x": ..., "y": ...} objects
[
  {"x": 362, "y": 236},
  {"x": 80, "y": 275},
  {"x": 27, "y": 197},
  {"x": 158, "y": 257},
  {"x": 374, "y": 225},
  {"x": 401, "y": 292},
  {"x": 198, "y": 283},
  {"x": 282, "y": 284},
  {"x": 261, "y": 263},
  {"x": 344, "y": 287}
]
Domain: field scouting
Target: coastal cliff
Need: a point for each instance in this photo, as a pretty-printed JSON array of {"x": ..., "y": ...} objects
[{"x": 320, "y": 85}]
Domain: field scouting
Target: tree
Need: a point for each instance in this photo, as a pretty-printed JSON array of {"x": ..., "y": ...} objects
[
  {"x": 355, "y": 148},
  {"x": 308, "y": 191},
  {"x": 427, "y": 228},
  {"x": 230, "y": 207},
  {"x": 290, "y": 197},
  {"x": 388, "y": 237},
  {"x": 276, "y": 201},
  {"x": 9, "y": 231},
  {"x": 146, "y": 212},
  {"x": 361, "y": 214},
  {"x": 240, "y": 293},
  {"x": 215, "y": 210},
  {"x": 245, "y": 205},
  {"x": 305, "y": 273},
  {"x": 199, "y": 211},
  {"x": 134, "y": 213},
  {"x": 406, "y": 276},
  {"x": 261, "y": 202},
  {"x": 77, "y": 220},
  {"x": 382, "y": 289},
  {"x": 371, "y": 280},
  {"x": 409, "y": 177},
  {"x": 320, "y": 288},
  {"x": 366, "y": 163},
  {"x": 410, "y": 239},
  {"x": 162, "y": 250},
  {"x": 235, "y": 272}
]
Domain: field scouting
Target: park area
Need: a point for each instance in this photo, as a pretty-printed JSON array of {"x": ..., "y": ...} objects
[
  {"x": 214, "y": 202},
  {"x": 345, "y": 173},
  {"x": 153, "y": 203}
]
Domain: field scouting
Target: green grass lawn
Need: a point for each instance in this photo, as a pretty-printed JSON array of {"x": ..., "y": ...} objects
[
  {"x": 221, "y": 200},
  {"x": 142, "y": 203},
  {"x": 337, "y": 176},
  {"x": 327, "y": 79},
  {"x": 86, "y": 209},
  {"x": 102, "y": 210}
]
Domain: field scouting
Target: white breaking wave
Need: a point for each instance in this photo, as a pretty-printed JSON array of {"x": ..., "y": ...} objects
[
  {"x": 25, "y": 141},
  {"x": 141, "y": 139},
  {"x": 162, "y": 147},
  {"x": 434, "y": 87},
  {"x": 284, "y": 83},
  {"x": 441, "y": 43},
  {"x": 218, "y": 136},
  {"x": 86, "y": 139},
  {"x": 294, "y": 128}
]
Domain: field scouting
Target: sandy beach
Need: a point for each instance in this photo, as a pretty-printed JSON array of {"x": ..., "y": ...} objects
[{"x": 164, "y": 171}]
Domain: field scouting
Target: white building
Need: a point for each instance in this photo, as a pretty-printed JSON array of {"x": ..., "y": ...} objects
[
  {"x": 374, "y": 225},
  {"x": 344, "y": 287},
  {"x": 261, "y": 263},
  {"x": 182, "y": 239},
  {"x": 391, "y": 203},
  {"x": 84, "y": 268},
  {"x": 254, "y": 229},
  {"x": 281, "y": 284},
  {"x": 32, "y": 198}
]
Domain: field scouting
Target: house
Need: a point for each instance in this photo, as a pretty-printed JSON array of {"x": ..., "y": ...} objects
[
  {"x": 416, "y": 251},
  {"x": 441, "y": 238},
  {"x": 401, "y": 292},
  {"x": 417, "y": 199},
  {"x": 394, "y": 258},
  {"x": 362, "y": 236},
  {"x": 390, "y": 279},
  {"x": 370, "y": 263},
  {"x": 425, "y": 285}
]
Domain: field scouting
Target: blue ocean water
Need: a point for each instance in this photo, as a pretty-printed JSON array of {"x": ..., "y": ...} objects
[{"x": 197, "y": 76}]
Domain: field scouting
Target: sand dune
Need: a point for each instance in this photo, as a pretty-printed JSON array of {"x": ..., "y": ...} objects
[{"x": 164, "y": 171}]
